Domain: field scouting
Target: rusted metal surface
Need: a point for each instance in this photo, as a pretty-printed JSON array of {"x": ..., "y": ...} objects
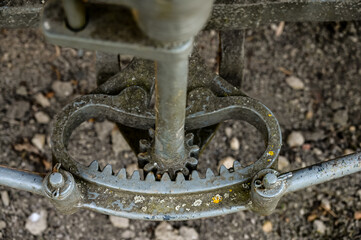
[{"x": 226, "y": 15}]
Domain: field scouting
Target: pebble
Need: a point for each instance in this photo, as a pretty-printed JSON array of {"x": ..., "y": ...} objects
[
  {"x": 283, "y": 163},
  {"x": 235, "y": 144},
  {"x": 36, "y": 222},
  {"x": 228, "y": 132},
  {"x": 119, "y": 144},
  {"x": 62, "y": 89},
  {"x": 164, "y": 231},
  {"x": 341, "y": 117},
  {"x": 227, "y": 162},
  {"x": 188, "y": 233},
  {"x": 325, "y": 204},
  {"x": 317, "y": 151},
  {"x": 103, "y": 129},
  {"x": 319, "y": 226},
  {"x": 357, "y": 215},
  {"x": 39, "y": 141},
  {"x": 267, "y": 227},
  {"x": 119, "y": 222},
  {"x": 295, "y": 139},
  {"x": 131, "y": 168},
  {"x": 2, "y": 225},
  {"x": 42, "y": 100},
  {"x": 127, "y": 234},
  {"x": 42, "y": 117},
  {"x": 348, "y": 151},
  {"x": 22, "y": 91},
  {"x": 5, "y": 198},
  {"x": 295, "y": 83}
]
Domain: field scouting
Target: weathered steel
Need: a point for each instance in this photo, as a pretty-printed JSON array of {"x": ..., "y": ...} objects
[
  {"x": 21, "y": 180},
  {"x": 232, "y": 59},
  {"x": 226, "y": 15}
]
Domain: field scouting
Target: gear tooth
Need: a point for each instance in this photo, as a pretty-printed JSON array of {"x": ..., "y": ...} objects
[
  {"x": 122, "y": 174},
  {"x": 195, "y": 175},
  {"x": 180, "y": 177},
  {"x": 108, "y": 170},
  {"x": 150, "y": 177},
  {"x": 136, "y": 175},
  {"x": 185, "y": 171},
  {"x": 144, "y": 145},
  {"x": 189, "y": 139},
  {"x": 194, "y": 150},
  {"x": 149, "y": 167},
  {"x": 223, "y": 170},
  {"x": 209, "y": 173},
  {"x": 94, "y": 166},
  {"x": 237, "y": 165},
  {"x": 192, "y": 162},
  {"x": 165, "y": 177}
]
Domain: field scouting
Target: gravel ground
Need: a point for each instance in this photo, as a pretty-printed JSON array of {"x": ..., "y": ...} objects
[{"x": 309, "y": 75}]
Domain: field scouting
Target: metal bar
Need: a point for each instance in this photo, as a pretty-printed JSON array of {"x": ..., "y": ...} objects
[
  {"x": 170, "y": 108},
  {"x": 21, "y": 180},
  {"x": 231, "y": 62},
  {"x": 228, "y": 16},
  {"x": 324, "y": 172}
]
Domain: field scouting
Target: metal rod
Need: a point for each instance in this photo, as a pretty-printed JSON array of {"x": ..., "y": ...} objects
[
  {"x": 170, "y": 108},
  {"x": 75, "y": 14},
  {"x": 323, "y": 172},
  {"x": 21, "y": 180}
]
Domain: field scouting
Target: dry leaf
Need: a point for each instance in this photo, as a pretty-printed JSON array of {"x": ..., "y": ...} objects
[
  {"x": 285, "y": 71},
  {"x": 311, "y": 217},
  {"x": 26, "y": 147},
  {"x": 280, "y": 28},
  {"x": 50, "y": 95}
]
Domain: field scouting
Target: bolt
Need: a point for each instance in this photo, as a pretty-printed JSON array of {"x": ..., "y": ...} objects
[
  {"x": 269, "y": 180},
  {"x": 56, "y": 180}
]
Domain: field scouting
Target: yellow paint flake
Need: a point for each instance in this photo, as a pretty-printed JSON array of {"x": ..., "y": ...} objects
[
  {"x": 270, "y": 115},
  {"x": 268, "y": 160},
  {"x": 270, "y": 153},
  {"x": 217, "y": 199},
  {"x": 230, "y": 190}
]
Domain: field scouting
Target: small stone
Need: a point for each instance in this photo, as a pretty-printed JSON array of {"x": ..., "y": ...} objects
[
  {"x": 119, "y": 144},
  {"x": 228, "y": 132},
  {"x": 103, "y": 129},
  {"x": 188, "y": 233},
  {"x": 22, "y": 91},
  {"x": 352, "y": 129},
  {"x": 42, "y": 118},
  {"x": 235, "y": 144},
  {"x": 325, "y": 204},
  {"x": 2, "y": 225},
  {"x": 227, "y": 162},
  {"x": 319, "y": 227},
  {"x": 357, "y": 215},
  {"x": 295, "y": 83},
  {"x": 119, "y": 222},
  {"x": 317, "y": 151},
  {"x": 38, "y": 141},
  {"x": 295, "y": 139},
  {"x": 348, "y": 151},
  {"x": 36, "y": 222},
  {"x": 267, "y": 227},
  {"x": 131, "y": 168},
  {"x": 283, "y": 163},
  {"x": 5, "y": 198},
  {"x": 341, "y": 118},
  {"x": 42, "y": 100},
  {"x": 127, "y": 234},
  {"x": 164, "y": 231},
  {"x": 62, "y": 89}
]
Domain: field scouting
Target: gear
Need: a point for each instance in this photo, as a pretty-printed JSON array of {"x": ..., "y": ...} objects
[{"x": 150, "y": 163}]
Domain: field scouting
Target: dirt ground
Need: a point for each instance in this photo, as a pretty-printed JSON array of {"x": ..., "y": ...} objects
[{"x": 326, "y": 57}]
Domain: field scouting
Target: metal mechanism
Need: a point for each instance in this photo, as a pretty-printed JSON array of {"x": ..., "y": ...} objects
[{"x": 190, "y": 102}]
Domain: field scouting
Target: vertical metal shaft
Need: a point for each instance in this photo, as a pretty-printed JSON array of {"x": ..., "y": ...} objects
[
  {"x": 75, "y": 14},
  {"x": 171, "y": 93}
]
